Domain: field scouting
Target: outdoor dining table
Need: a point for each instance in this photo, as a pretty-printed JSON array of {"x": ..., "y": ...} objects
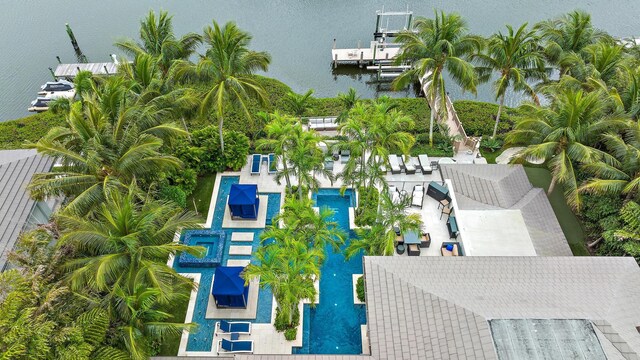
[{"x": 411, "y": 237}]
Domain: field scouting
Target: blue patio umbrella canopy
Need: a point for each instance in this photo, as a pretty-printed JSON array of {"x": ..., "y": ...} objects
[
  {"x": 244, "y": 201},
  {"x": 228, "y": 288}
]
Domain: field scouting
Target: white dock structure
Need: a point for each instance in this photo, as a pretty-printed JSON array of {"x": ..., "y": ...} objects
[
  {"x": 377, "y": 52},
  {"x": 71, "y": 70}
]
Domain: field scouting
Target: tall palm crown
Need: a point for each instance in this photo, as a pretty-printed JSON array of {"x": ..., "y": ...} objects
[
  {"x": 306, "y": 159},
  {"x": 621, "y": 176},
  {"x": 517, "y": 57},
  {"x": 227, "y": 67},
  {"x": 123, "y": 244},
  {"x": 438, "y": 45},
  {"x": 158, "y": 40},
  {"x": 568, "y": 35},
  {"x": 278, "y": 140},
  {"x": 104, "y": 144},
  {"x": 563, "y": 135}
]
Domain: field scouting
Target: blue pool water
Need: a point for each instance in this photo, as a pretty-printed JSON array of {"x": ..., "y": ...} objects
[
  {"x": 333, "y": 326},
  {"x": 201, "y": 339}
]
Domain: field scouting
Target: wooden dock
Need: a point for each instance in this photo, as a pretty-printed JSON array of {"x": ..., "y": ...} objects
[
  {"x": 376, "y": 53},
  {"x": 71, "y": 70}
]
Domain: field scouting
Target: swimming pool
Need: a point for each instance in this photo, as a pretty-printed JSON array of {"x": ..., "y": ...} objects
[
  {"x": 333, "y": 326},
  {"x": 202, "y": 338}
]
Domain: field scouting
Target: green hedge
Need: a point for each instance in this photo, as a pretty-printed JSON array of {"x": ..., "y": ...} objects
[
  {"x": 15, "y": 133},
  {"x": 478, "y": 118}
]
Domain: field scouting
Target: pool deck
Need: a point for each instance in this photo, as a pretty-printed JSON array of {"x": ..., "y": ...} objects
[{"x": 266, "y": 339}]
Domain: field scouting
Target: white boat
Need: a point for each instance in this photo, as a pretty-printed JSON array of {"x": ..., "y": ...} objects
[
  {"x": 55, "y": 86},
  {"x": 39, "y": 105},
  {"x": 69, "y": 94}
]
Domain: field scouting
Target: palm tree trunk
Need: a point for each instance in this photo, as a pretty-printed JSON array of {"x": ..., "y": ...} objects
[
  {"x": 184, "y": 123},
  {"x": 220, "y": 132},
  {"x": 552, "y": 186},
  {"x": 431, "y": 120},
  {"x": 495, "y": 127},
  {"x": 286, "y": 172}
]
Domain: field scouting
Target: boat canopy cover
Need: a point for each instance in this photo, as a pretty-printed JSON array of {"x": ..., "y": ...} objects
[{"x": 57, "y": 86}]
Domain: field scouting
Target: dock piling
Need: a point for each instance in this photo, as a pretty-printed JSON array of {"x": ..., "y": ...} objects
[
  {"x": 53, "y": 74},
  {"x": 81, "y": 57},
  {"x": 59, "y": 61},
  {"x": 335, "y": 61},
  {"x": 334, "y": 43}
]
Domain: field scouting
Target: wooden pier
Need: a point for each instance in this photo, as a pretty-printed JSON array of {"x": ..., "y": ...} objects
[
  {"x": 376, "y": 53},
  {"x": 70, "y": 71}
]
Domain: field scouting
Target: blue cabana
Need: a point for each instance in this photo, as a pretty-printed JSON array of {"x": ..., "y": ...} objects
[
  {"x": 228, "y": 288},
  {"x": 244, "y": 201}
]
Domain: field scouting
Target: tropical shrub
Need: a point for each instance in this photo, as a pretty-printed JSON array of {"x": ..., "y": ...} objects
[
  {"x": 203, "y": 154},
  {"x": 367, "y": 210},
  {"x": 173, "y": 193},
  {"x": 478, "y": 118},
  {"x": 360, "y": 288},
  {"x": 491, "y": 144},
  {"x": 290, "y": 334},
  {"x": 236, "y": 150}
]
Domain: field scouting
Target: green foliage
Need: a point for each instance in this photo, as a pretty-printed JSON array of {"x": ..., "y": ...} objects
[
  {"x": 491, "y": 144},
  {"x": 186, "y": 180},
  {"x": 600, "y": 213},
  {"x": 478, "y": 118},
  {"x": 281, "y": 322},
  {"x": 290, "y": 334},
  {"x": 173, "y": 193},
  {"x": 16, "y": 133},
  {"x": 367, "y": 210},
  {"x": 360, "y": 288},
  {"x": 625, "y": 240},
  {"x": 202, "y": 153}
]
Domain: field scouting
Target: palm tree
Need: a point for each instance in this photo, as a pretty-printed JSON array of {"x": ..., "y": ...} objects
[
  {"x": 563, "y": 134},
  {"x": 278, "y": 140},
  {"x": 380, "y": 239},
  {"x": 158, "y": 40},
  {"x": 289, "y": 267},
  {"x": 622, "y": 176},
  {"x": 567, "y": 36},
  {"x": 125, "y": 244},
  {"x": 517, "y": 58},
  {"x": 348, "y": 100},
  {"x": 140, "y": 322},
  {"x": 306, "y": 158},
  {"x": 438, "y": 45},
  {"x": 299, "y": 104},
  {"x": 103, "y": 145},
  {"x": 227, "y": 68}
]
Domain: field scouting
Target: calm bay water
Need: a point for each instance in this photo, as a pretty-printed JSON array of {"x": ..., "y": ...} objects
[{"x": 298, "y": 34}]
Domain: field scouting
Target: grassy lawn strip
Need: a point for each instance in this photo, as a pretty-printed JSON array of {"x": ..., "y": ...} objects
[
  {"x": 169, "y": 347},
  {"x": 571, "y": 226},
  {"x": 201, "y": 196}
]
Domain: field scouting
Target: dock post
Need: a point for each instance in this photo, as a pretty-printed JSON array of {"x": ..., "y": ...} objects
[
  {"x": 378, "y": 16},
  {"x": 409, "y": 21},
  {"x": 335, "y": 61},
  {"x": 53, "y": 74},
  {"x": 81, "y": 57},
  {"x": 361, "y": 58},
  {"x": 106, "y": 71},
  {"x": 334, "y": 43},
  {"x": 59, "y": 61}
]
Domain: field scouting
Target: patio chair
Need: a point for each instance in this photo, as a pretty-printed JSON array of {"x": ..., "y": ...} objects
[
  {"x": 445, "y": 210},
  {"x": 449, "y": 250},
  {"x": 417, "y": 197},
  {"x": 394, "y": 193},
  {"x": 235, "y": 346},
  {"x": 271, "y": 164},
  {"x": 425, "y": 164},
  {"x": 256, "y": 162},
  {"x": 409, "y": 168},
  {"x": 425, "y": 242},
  {"x": 328, "y": 163},
  {"x": 394, "y": 165},
  {"x": 240, "y": 327},
  {"x": 413, "y": 250}
]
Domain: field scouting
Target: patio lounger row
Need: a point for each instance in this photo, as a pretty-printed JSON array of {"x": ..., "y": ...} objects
[
  {"x": 239, "y": 327},
  {"x": 417, "y": 196},
  {"x": 394, "y": 164},
  {"x": 409, "y": 167},
  {"x": 235, "y": 346},
  {"x": 329, "y": 123},
  {"x": 271, "y": 163},
  {"x": 256, "y": 164},
  {"x": 425, "y": 164}
]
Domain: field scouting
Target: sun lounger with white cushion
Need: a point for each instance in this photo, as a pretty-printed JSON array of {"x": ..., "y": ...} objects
[
  {"x": 394, "y": 165},
  {"x": 425, "y": 164},
  {"x": 409, "y": 168},
  {"x": 417, "y": 196}
]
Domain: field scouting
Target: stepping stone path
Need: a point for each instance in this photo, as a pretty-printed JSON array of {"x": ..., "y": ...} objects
[
  {"x": 234, "y": 262},
  {"x": 242, "y": 236},
  {"x": 240, "y": 250}
]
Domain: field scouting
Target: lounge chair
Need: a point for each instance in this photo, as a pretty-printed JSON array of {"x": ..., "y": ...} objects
[
  {"x": 235, "y": 346},
  {"x": 409, "y": 168},
  {"x": 240, "y": 327},
  {"x": 425, "y": 242},
  {"x": 344, "y": 156},
  {"x": 449, "y": 250},
  {"x": 394, "y": 165},
  {"x": 394, "y": 193},
  {"x": 417, "y": 196},
  {"x": 256, "y": 164},
  {"x": 328, "y": 163},
  {"x": 425, "y": 164},
  {"x": 271, "y": 164}
]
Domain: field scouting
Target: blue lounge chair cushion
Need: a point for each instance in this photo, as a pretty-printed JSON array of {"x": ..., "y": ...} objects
[
  {"x": 236, "y": 346},
  {"x": 231, "y": 327},
  {"x": 255, "y": 164}
]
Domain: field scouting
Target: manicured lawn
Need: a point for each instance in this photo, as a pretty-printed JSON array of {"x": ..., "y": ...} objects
[
  {"x": 169, "y": 347},
  {"x": 491, "y": 156},
  {"x": 201, "y": 196},
  {"x": 570, "y": 224}
]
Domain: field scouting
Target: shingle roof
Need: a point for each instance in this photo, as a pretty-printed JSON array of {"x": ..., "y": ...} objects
[
  {"x": 445, "y": 302},
  {"x": 16, "y": 169},
  {"x": 491, "y": 187}
]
